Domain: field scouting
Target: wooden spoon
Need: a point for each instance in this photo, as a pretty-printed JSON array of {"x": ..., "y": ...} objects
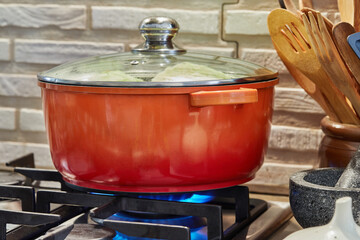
[
  {"x": 289, "y": 36},
  {"x": 310, "y": 88},
  {"x": 330, "y": 59},
  {"x": 340, "y": 33},
  {"x": 349, "y": 12}
]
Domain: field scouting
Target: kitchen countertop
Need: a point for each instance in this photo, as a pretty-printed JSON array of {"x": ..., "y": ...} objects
[{"x": 288, "y": 227}]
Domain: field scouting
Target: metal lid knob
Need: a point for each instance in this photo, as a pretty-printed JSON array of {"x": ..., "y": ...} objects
[{"x": 158, "y": 33}]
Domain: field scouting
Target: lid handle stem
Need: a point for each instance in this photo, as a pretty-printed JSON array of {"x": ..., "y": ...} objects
[{"x": 158, "y": 33}]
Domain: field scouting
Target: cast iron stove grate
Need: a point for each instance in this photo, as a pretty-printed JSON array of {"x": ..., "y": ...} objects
[
  {"x": 211, "y": 211},
  {"x": 73, "y": 203}
]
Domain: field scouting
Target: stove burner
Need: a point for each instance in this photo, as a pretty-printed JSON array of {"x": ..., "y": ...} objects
[
  {"x": 11, "y": 178},
  {"x": 90, "y": 232},
  {"x": 197, "y": 225}
]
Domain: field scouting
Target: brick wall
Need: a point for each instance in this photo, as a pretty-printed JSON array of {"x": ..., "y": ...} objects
[{"x": 35, "y": 36}]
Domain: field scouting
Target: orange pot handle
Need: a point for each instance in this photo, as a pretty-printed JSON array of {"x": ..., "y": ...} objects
[{"x": 225, "y": 97}]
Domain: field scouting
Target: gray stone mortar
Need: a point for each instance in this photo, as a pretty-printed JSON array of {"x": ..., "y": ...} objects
[{"x": 313, "y": 195}]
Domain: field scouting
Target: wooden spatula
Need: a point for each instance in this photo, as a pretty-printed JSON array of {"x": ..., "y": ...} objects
[
  {"x": 289, "y": 4},
  {"x": 327, "y": 54},
  {"x": 290, "y": 38},
  {"x": 328, "y": 23},
  {"x": 310, "y": 88},
  {"x": 340, "y": 33}
]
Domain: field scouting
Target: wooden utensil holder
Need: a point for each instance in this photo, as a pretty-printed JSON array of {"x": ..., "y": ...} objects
[{"x": 339, "y": 143}]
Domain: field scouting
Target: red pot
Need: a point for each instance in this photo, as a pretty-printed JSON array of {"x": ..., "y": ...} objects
[{"x": 148, "y": 137}]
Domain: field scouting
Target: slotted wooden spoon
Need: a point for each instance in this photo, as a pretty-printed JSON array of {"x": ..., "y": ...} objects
[
  {"x": 330, "y": 59},
  {"x": 290, "y": 38},
  {"x": 310, "y": 88},
  {"x": 340, "y": 33}
]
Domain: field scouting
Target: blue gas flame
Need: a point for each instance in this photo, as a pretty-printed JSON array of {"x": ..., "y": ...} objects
[
  {"x": 189, "y": 198},
  {"x": 103, "y": 194},
  {"x": 195, "y": 234}
]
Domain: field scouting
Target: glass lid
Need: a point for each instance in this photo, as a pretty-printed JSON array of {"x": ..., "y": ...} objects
[{"x": 158, "y": 62}]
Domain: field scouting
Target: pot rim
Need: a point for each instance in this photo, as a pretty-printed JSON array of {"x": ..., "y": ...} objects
[
  {"x": 245, "y": 80},
  {"x": 152, "y": 90}
]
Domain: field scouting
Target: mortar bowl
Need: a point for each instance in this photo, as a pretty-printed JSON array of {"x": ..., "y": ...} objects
[{"x": 313, "y": 195}]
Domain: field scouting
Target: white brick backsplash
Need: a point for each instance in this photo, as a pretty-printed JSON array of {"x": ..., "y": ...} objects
[
  {"x": 257, "y": 4},
  {"x": 246, "y": 22},
  {"x": 190, "y": 21},
  {"x": 4, "y": 50},
  {"x": 293, "y": 138},
  {"x": 36, "y": 16},
  {"x": 295, "y": 100},
  {"x": 19, "y": 85},
  {"x": 12, "y": 150},
  {"x": 264, "y": 57},
  {"x": 56, "y": 52},
  {"x": 7, "y": 118},
  {"x": 32, "y": 120},
  {"x": 218, "y": 51}
]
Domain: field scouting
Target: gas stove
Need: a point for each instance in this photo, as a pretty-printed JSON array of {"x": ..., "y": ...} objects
[{"x": 51, "y": 209}]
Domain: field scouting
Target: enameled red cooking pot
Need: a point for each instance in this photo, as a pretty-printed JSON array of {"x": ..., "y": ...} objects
[{"x": 157, "y": 137}]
